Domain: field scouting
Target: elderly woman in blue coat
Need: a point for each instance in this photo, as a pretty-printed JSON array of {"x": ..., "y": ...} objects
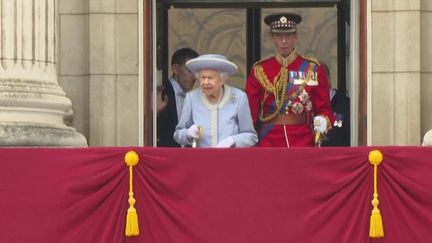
[{"x": 215, "y": 114}]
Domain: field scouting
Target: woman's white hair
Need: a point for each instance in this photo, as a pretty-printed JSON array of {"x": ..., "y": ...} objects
[
  {"x": 223, "y": 75},
  {"x": 427, "y": 139}
]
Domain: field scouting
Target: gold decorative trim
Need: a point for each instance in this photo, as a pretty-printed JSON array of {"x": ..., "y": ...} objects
[
  {"x": 285, "y": 61},
  {"x": 376, "y": 229},
  {"x": 213, "y": 108},
  {"x": 277, "y": 88}
]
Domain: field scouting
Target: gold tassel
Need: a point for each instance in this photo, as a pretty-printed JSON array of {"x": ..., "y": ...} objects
[
  {"x": 376, "y": 229},
  {"x": 132, "y": 228}
]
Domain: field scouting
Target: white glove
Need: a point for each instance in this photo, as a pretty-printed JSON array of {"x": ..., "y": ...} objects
[
  {"x": 226, "y": 143},
  {"x": 193, "y": 132},
  {"x": 320, "y": 124}
]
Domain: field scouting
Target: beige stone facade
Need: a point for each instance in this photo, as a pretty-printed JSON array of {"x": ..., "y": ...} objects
[
  {"x": 425, "y": 66},
  {"x": 98, "y": 68},
  {"x": 401, "y": 81},
  {"x": 33, "y": 106},
  {"x": 99, "y": 46}
]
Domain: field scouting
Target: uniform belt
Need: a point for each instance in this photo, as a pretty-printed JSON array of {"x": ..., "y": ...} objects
[{"x": 290, "y": 119}]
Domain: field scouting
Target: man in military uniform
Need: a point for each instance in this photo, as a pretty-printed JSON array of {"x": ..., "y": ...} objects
[{"x": 288, "y": 93}]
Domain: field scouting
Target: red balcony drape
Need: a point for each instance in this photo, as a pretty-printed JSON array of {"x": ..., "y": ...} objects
[{"x": 254, "y": 195}]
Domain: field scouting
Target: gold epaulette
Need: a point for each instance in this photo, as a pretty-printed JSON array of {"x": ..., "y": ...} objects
[
  {"x": 311, "y": 59},
  {"x": 260, "y": 61}
]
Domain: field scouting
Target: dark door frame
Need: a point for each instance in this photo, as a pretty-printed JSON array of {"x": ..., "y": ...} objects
[
  {"x": 147, "y": 76},
  {"x": 363, "y": 73},
  {"x": 253, "y": 15}
]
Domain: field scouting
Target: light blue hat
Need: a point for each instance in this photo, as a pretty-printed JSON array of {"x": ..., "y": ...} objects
[{"x": 211, "y": 61}]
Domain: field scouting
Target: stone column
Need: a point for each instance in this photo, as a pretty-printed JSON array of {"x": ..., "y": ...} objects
[
  {"x": 395, "y": 83},
  {"x": 32, "y": 104},
  {"x": 426, "y": 65}
]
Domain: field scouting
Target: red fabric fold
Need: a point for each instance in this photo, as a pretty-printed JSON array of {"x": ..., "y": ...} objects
[{"x": 250, "y": 195}]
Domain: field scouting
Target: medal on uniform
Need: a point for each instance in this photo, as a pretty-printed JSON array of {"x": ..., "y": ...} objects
[
  {"x": 312, "y": 79},
  {"x": 336, "y": 122},
  {"x": 341, "y": 117},
  {"x": 338, "y": 119},
  {"x": 296, "y": 77}
]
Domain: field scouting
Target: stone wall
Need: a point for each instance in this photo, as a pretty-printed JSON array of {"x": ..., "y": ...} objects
[
  {"x": 396, "y": 72},
  {"x": 33, "y": 106},
  {"x": 98, "y": 62},
  {"x": 426, "y": 65},
  {"x": 99, "y": 68}
]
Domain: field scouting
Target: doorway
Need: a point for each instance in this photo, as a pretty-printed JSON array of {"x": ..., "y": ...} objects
[{"x": 236, "y": 29}]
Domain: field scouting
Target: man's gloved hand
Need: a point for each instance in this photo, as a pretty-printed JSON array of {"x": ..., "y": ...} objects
[
  {"x": 226, "y": 143},
  {"x": 320, "y": 124},
  {"x": 193, "y": 132}
]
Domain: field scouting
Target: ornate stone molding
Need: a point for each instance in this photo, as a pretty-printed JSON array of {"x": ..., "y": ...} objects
[{"x": 32, "y": 104}]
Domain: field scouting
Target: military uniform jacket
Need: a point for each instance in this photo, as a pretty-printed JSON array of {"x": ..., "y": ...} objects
[{"x": 304, "y": 88}]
